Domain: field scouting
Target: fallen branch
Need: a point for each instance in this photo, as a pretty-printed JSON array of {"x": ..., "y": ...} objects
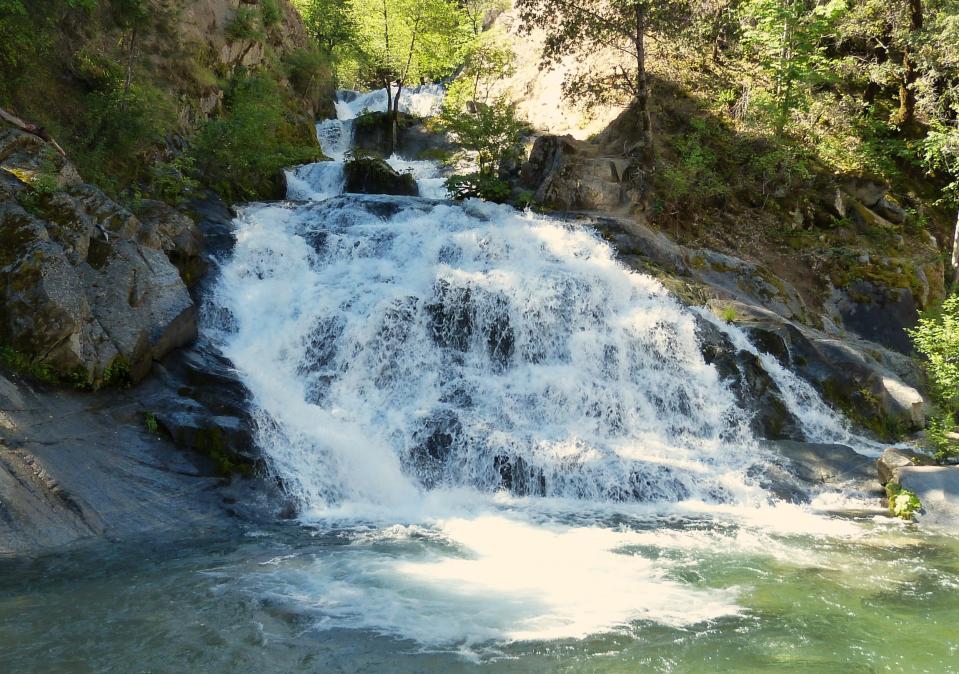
[{"x": 37, "y": 131}]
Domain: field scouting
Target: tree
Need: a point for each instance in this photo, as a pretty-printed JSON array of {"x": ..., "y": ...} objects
[
  {"x": 329, "y": 22},
  {"x": 491, "y": 131},
  {"x": 488, "y": 60},
  {"x": 786, "y": 38},
  {"x": 940, "y": 154},
  {"x": 579, "y": 28},
  {"x": 408, "y": 40}
]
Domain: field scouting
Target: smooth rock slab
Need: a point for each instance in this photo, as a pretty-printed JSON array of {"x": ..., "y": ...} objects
[{"x": 938, "y": 489}]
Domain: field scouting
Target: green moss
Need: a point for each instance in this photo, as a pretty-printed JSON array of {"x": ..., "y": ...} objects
[
  {"x": 27, "y": 365},
  {"x": 902, "y": 502},
  {"x": 210, "y": 442},
  {"x": 863, "y": 409},
  {"x": 150, "y": 422}
]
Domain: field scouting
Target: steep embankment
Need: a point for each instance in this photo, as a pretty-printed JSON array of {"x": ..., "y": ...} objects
[{"x": 99, "y": 282}]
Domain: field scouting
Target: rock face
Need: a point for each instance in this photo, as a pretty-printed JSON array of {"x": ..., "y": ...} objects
[
  {"x": 877, "y": 387},
  {"x": 86, "y": 290},
  {"x": 97, "y": 473},
  {"x": 893, "y": 460},
  {"x": 801, "y": 465},
  {"x": 570, "y": 174},
  {"x": 372, "y": 175}
]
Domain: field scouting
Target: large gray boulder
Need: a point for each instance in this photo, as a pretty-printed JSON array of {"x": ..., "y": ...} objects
[
  {"x": 87, "y": 293},
  {"x": 938, "y": 490},
  {"x": 569, "y": 174}
]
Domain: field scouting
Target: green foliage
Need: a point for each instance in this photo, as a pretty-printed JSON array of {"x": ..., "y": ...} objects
[
  {"x": 729, "y": 314},
  {"x": 270, "y": 13},
  {"x": 330, "y": 23},
  {"x": 492, "y": 132},
  {"x": 246, "y": 25},
  {"x": 308, "y": 71},
  {"x": 426, "y": 39},
  {"x": 173, "y": 181},
  {"x": 787, "y": 40},
  {"x": 24, "y": 364},
  {"x": 939, "y": 153},
  {"x": 937, "y": 437},
  {"x": 695, "y": 175},
  {"x": 488, "y": 60},
  {"x": 478, "y": 186},
  {"x": 239, "y": 153},
  {"x": 936, "y": 336},
  {"x": 150, "y": 422},
  {"x": 902, "y": 502}
]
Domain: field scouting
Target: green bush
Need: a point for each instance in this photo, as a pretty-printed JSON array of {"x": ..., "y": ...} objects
[
  {"x": 477, "y": 186},
  {"x": 936, "y": 337},
  {"x": 492, "y": 132},
  {"x": 245, "y": 25},
  {"x": 902, "y": 502},
  {"x": 308, "y": 71},
  {"x": 270, "y": 13},
  {"x": 239, "y": 153}
]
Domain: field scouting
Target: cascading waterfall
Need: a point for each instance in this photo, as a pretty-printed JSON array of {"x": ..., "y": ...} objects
[
  {"x": 496, "y": 385},
  {"x": 315, "y": 182}
]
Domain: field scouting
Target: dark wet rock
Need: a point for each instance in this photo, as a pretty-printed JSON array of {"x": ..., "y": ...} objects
[
  {"x": 451, "y": 316},
  {"x": 805, "y": 465},
  {"x": 179, "y": 237},
  {"x": 755, "y": 390},
  {"x": 413, "y": 139},
  {"x": 372, "y": 175},
  {"x": 95, "y": 474},
  {"x": 518, "y": 477},
  {"x": 434, "y": 445},
  {"x": 938, "y": 490},
  {"x": 875, "y": 387},
  {"x": 878, "y": 314}
]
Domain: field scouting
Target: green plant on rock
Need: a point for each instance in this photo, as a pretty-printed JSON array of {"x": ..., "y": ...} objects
[
  {"x": 240, "y": 152},
  {"x": 245, "y": 25},
  {"x": 24, "y": 364},
  {"x": 150, "y": 422},
  {"x": 478, "y": 186},
  {"x": 936, "y": 337},
  {"x": 902, "y": 502},
  {"x": 270, "y": 13}
]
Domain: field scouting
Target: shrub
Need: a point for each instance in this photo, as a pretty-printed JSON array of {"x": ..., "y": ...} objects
[
  {"x": 491, "y": 131},
  {"x": 936, "y": 337},
  {"x": 239, "y": 153},
  {"x": 478, "y": 186},
  {"x": 270, "y": 13},
  {"x": 902, "y": 502},
  {"x": 245, "y": 25}
]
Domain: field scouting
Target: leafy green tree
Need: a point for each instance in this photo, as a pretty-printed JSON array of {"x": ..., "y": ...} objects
[
  {"x": 330, "y": 23},
  {"x": 491, "y": 131},
  {"x": 404, "y": 41},
  {"x": 787, "y": 40},
  {"x": 940, "y": 154},
  {"x": 488, "y": 61},
  {"x": 580, "y": 28},
  {"x": 937, "y": 338}
]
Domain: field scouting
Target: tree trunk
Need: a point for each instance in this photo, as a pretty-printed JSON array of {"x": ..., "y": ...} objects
[
  {"x": 395, "y": 119},
  {"x": 642, "y": 90},
  {"x": 955, "y": 253},
  {"x": 907, "y": 94}
]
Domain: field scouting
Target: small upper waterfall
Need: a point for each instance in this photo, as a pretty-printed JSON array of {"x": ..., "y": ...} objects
[{"x": 314, "y": 182}]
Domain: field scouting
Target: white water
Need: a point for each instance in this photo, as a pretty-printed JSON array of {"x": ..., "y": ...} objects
[
  {"x": 315, "y": 182},
  {"x": 496, "y": 412}
]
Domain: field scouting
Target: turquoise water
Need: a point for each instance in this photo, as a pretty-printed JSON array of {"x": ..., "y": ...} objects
[{"x": 884, "y": 599}]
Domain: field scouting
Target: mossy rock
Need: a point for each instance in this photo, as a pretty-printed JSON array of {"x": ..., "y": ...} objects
[{"x": 372, "y": 175}]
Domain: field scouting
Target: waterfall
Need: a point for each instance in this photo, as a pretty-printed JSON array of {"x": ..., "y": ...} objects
[
  {"x": 493, "y": 411},
  {"x": 315, "y": 182}
]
